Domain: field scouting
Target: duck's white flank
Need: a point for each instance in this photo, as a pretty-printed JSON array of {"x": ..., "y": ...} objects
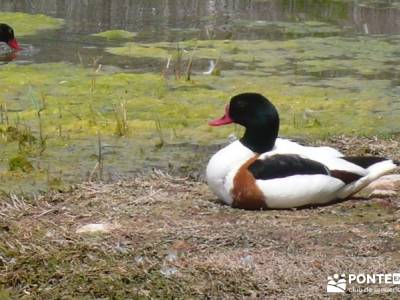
[
  {"x": 222, "y": 163},
  {"x": 299, "y": 190}
]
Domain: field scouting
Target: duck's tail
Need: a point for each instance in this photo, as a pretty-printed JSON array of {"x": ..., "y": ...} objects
[{"x": 375, "y": 170}]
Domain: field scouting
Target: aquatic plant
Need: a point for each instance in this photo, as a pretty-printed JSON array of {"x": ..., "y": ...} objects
[
  {"x": 121, "y": 119},
  {"x": 116, "y": 34},
  {"x": 39, "y": 106},
  {"x": 20, "y": 134},
  {"x": 20, "y": 162},
  {"x": 290, "y": 29},
  {"x": 161, "y": 142},
  {"x": 100, "y": 160},
  {"x": 3, "y": 114}
]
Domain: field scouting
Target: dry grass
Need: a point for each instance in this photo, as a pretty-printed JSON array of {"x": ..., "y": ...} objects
[{"x": 170, "y": 238}]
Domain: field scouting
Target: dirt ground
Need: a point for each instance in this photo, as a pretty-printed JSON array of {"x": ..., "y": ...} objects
[{"x": 167, "y": 237}]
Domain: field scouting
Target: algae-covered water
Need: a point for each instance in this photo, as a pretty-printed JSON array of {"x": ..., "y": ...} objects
[{"x": 111, "y": 88}]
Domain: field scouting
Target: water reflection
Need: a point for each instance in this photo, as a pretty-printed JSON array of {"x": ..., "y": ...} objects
[
  {"x": 7, "y": 56},
  {"x": 88, "y": 16},
  {"x": 176, "y": 20}
]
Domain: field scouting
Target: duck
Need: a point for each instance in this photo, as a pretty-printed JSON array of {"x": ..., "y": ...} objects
[
  {"x": 261, "y": 171},
  {"x": 7, "y": 36}
]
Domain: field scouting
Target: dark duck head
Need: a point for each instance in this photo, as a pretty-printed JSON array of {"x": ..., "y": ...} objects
[
  {"x": 258, "y": 115},
  {"x": 7, "y": 36}
]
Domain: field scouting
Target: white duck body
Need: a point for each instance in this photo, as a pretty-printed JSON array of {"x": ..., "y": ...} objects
[
  {"x": 286, "y": 192},
  {"x": 222, "y": 164},
  {"x": 293, "y": 147}
]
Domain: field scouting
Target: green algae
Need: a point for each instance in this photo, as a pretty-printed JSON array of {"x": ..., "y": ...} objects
[
  {"x": 290, "y": 28},
  {"x": 20, "y": 163},
  {"x": 365, "y": 55},
  {"x": 139, "y": 50},
  {"x": 326, "y": 74},
  {"x": 27, "y": 24},
  {"x": 20, "y": 134},
  {"x": 150, "y": 96},
  {"x": 159, "y": 110},
  {"x": 116, "y": 34},
  {"x": 86, "y": 110}
]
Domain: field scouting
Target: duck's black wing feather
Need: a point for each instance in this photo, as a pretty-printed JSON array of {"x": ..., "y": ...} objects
[
  {"x": 284, "y": 165},
  {"x": 364, "y": 161}
]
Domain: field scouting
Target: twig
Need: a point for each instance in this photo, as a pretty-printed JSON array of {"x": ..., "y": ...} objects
[
  {"x": 93, "y": 171},
  {"x": 100, "y": 157}
]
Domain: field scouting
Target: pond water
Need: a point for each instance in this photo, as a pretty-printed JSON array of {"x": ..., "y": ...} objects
[
  {"x": 331, "y": 67},
  {"x": 187, "y": 19}
]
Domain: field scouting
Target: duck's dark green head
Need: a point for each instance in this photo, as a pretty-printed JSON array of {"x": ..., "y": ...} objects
[{"x": 258, "y": 115}]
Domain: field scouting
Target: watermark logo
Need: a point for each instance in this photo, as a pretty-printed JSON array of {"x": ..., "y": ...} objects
[
  {"x": 358, "y": 283},
  {"x": 336, "y": 284}
]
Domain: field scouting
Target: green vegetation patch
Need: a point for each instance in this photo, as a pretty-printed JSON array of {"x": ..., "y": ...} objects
[
  {"x": 27, "y": 24},
  {"x": 116, "y": 34},
  {"x": 139, "y": 50},
  {"x": 20, "y": 163},
  {"x": 338, "y": 80},
  {"x": 206, "y": 49},
  {"x": 290, "y": 28},
  {"x": 363, "y": 55}
]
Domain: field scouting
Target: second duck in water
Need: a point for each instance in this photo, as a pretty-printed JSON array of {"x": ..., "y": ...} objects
[{"x": 7, "y": 36}]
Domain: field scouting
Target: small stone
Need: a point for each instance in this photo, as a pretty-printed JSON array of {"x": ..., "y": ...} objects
[
  {"x": 172, "y": 256},
  {"x": 168, "y": 271},
  {"x": 139, "y": 259},
  {"x": 382, "y": 193},
  {"x": 248, "y": 261},
  {"x": 95, "y": 228},
  {"x": 121, "y": 248},
  {"x": 253, "y": 295},
  {"x": 49, "y": 234}
]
